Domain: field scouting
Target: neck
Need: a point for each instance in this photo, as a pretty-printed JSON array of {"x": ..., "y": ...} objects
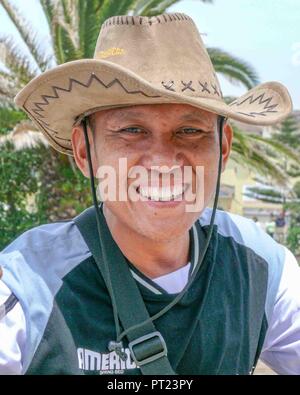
[{"x": 155, "y": 258}]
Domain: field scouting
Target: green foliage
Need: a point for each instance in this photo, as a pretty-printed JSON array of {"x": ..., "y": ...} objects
[
  {"x": 68, "y": 191},
  {"x": 289, "y": 132},
  {"x": 296, "y": 189},
  {"x": 293, "y": 237},
  {"x": 9, "y": 118},
  {"x": 257, "y": 153},
  {"x": 20, "y": 181},
  {"x": 293, "y": 240},
  {"x": 287, "y": 135}
]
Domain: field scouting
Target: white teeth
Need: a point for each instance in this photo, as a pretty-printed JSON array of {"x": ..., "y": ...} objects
[{"x": 161, "y": 194}]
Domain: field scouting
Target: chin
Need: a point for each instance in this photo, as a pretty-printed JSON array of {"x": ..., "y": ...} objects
[{"x": 162, "y": 229}]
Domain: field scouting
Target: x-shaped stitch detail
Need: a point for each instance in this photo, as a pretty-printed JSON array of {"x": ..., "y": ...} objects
[
  {"x": 204, "y": 87},
  {"x": 187, "y": 85},
  {"x": 168, "y": 85},
  {"x": 216, "y": 92}
]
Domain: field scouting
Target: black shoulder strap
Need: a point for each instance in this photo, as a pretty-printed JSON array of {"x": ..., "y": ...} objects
[{"x": 146, "y": 344}]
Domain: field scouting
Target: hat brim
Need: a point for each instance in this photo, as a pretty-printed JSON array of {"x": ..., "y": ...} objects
[{"x": 57, "y": 99}]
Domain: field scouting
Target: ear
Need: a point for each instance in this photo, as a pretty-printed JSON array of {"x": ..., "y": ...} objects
[
  {"x": 79, "y": 150},
  {"x": 226, "y": 144}
]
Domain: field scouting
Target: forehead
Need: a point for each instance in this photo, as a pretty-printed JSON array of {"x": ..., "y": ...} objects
[{"x": 174, "y": 112}]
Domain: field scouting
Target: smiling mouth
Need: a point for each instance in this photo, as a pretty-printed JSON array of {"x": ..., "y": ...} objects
[{"x": 162, "y": 194}]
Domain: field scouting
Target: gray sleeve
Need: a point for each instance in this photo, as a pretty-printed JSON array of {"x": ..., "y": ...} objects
[
  {"x": 281, "y": 349},
  {"x": 12, "y": 332}
]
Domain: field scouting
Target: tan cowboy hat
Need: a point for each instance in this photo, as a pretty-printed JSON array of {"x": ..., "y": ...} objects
[{"x": 142, "y": 60}]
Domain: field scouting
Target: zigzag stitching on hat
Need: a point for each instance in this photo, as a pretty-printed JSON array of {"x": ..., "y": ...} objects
[
  {"x": 261, "y": 101},
  {"x": 55, "y": 89},
  {"x": 253, "y": 113},
  {"x": 60, "y": 138},
  {"x": 51, "y": 137},
  {"x": 43, "y": 122},
  {"x": 46, "y": 125}
]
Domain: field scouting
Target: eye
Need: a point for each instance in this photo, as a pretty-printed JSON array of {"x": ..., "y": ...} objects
[
  {"x": 190, "y": 131},
  {"x": 132, "y": 130}
]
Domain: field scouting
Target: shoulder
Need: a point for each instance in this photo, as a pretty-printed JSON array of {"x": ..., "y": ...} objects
[
  {"x": 43, "y": 255},
  {"x": 33, "y": 267},
  {"x": 12, "y": 332},
  {"x": 45, "y": 251},
  {"x": 245, "y": 233}
]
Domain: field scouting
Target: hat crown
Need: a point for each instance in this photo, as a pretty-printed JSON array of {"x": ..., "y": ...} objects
[{"x": 166, "y": 50}]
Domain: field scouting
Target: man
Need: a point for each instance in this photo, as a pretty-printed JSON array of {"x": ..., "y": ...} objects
[
  {"x": 152, "y": 281},
  {"x": 280, "y": 227},
  {"x": 271, "y": 226}
]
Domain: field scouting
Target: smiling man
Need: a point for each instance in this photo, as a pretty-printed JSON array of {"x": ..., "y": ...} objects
[
  {"x": 170, "y": 135},
  {"x": 151, "y": 280}
]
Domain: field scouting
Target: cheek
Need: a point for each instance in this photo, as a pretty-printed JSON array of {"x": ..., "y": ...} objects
[
  {"x": 206, "y": 157},
  {"x": 112, "y": 169},
  {"x": 110, "y": 150}
]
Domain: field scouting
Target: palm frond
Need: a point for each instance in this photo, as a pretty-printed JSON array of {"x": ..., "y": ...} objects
[
  {"x": 28, "y": 36},
  {"x": 68, "y": 10},
  {"x": 66, "y": 45},
  {"x": 280, "y": 148},
  {"x": 124, "y": 7},
  {"x": 259, "y": 163},
  {"x": 107, "y": 8},
  {"x": 250, "y": 150},
  {"x": 67, "y": 16},
  {"x": 16, "y": 62},
  {"x": 155, "y": 7},
  {"x": 48, "y": 8},
  {"x": 240, "y": 138},
  {"x": 234, "y": 76},
  {"x": 89, "y": 25},
  {"x": 233, "y": 68},
  {"x": 139, "y": 6},
  {"x": 99, "y": 4},
  {"x": 58, "y": 46}
]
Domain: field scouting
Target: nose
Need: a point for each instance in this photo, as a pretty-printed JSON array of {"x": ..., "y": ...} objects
[{"x": 162, "y": 153}]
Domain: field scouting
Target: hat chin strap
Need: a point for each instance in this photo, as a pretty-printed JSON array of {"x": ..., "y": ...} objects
[{"x": 221, "y": 122}]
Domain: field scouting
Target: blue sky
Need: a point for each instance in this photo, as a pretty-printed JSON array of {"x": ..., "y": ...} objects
[{"x": 264, "y": 33}]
